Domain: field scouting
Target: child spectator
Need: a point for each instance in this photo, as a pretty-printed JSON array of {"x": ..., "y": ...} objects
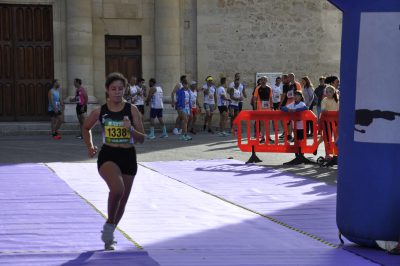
[{"x": 297, "y": 106}]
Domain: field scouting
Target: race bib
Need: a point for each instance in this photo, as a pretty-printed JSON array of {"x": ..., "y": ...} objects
[
  {"x": 290, "y": 94},
  {"x": 265, "y": 104},
  {"x": 115, "y": 132}
]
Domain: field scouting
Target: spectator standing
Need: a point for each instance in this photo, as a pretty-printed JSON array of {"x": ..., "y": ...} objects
[
  {"x": 138, "y": 94},
  {"x": 222, "y": 102},
  {"x": 309, "y": 100},
  {"x": 209, "y": 91},
  {"x": 184, "y": 105},
  {"x": 178, "y": 122},
  {"x": 196, "y": 108},
  {"x": 55, "y": 109},
  {"x": 81, "y": 99},
  {"x": 155, "y": 99},
  {"x": 242, "y": 89},
  {"x": 320, "y": 93}
]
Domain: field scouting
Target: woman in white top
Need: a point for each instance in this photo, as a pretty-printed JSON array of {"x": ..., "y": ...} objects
[
  {"x": 222, "y": 101},
  {"x": 209, "y": 102}
]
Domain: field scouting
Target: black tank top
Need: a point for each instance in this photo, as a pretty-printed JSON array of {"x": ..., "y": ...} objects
[{"x": 112, "y": 124}]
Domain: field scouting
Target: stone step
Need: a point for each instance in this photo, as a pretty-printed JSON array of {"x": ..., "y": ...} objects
[
  {"x": 43, "y": 128},
  {"x": 35, "y": 128}
]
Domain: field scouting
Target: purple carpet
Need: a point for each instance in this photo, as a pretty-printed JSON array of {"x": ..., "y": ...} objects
[
  {"x": 301, "y": 204},
  {"x": 44, "y": 222},
  {"x": 179, "y": 225}
]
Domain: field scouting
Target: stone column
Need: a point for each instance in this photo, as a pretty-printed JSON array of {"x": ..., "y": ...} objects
[
  {"x": 79, "y": 44},
  {"x": 167, "y": 44},
  {"x": 79, "y": 52}
]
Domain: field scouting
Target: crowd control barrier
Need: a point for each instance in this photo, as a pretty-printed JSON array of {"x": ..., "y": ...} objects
[
  {"x": 250, "y": 135},
  {"x": 329, "y": 129}
]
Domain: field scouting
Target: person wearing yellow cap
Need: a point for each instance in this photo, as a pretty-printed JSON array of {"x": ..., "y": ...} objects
[{"x": 209, "y": 102}]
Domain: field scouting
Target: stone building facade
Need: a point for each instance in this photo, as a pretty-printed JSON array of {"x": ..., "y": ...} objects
[{"x": 193, "y": 37}]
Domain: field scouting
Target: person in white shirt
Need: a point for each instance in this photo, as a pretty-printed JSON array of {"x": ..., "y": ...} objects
[
  {"x": 235, "y": 97},
  {"x": 209, "y": 102},
  {"x": 276, "y": 93},
  {"x": 138, "y": 94},
  {"x": 196, "y": 108},
  {"x": 155, "y": 98},
  {"x": 222, "y": 102},
  {"x": 241, "y": 86}
]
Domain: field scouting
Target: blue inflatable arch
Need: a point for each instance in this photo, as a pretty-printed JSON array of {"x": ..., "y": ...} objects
[{"x": 368, "y": 196}]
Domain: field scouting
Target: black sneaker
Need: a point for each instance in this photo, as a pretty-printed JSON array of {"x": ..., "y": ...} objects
[
  {"x": 204, "y": 128},
  {"x": 210, "y": 131}
]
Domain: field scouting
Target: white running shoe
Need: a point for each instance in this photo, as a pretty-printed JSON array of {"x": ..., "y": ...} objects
[
  {"x": 175, "y": 131},
  {"x": 180, "y": 131},
  {"x": 164, "y": 135},
  {"x": 110, "y": 245},
  {"x": 107, "y": 235},
  {"x": 151, "y": 136}
]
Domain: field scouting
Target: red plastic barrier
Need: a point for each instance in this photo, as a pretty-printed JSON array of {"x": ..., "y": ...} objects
[
  {"x": 249, "y": 135},
  {"x": 329, "y": 131}
]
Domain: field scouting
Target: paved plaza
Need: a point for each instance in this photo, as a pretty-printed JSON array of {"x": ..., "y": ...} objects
[{"x": 193, "y": 203}]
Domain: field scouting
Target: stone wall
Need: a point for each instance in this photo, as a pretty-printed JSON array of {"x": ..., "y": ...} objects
[{"x": 249, "y": 36}]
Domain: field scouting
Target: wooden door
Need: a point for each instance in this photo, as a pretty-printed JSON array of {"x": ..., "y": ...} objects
[
  {"x": 123, "y": 54},
  {"x": 26, "y": 61}
]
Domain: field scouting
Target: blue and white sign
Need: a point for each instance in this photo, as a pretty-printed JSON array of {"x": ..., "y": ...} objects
[
  {"x": 368, "y": 197},
  {"x": 378, "y": 91}
]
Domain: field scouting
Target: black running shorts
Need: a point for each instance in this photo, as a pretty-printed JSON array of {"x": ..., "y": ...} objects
[{"x": 125, "y": 158}]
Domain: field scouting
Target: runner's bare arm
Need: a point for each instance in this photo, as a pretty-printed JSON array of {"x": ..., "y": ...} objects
[{"x": 89, "y": 123}]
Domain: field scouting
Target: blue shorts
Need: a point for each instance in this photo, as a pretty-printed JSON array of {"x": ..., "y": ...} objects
[
  {"x": 186, "y": 111},
  {"x": 156, "y": 113}
]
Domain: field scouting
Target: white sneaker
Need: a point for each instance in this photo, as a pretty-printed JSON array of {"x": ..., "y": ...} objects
[
  {"x": 110, "y": 245},
  {"x": 151, "y": 136},
  {"x": 180, "y": 131},
  {"x": 107, "y": 235},
  {"x": 175, "y": 131}
]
